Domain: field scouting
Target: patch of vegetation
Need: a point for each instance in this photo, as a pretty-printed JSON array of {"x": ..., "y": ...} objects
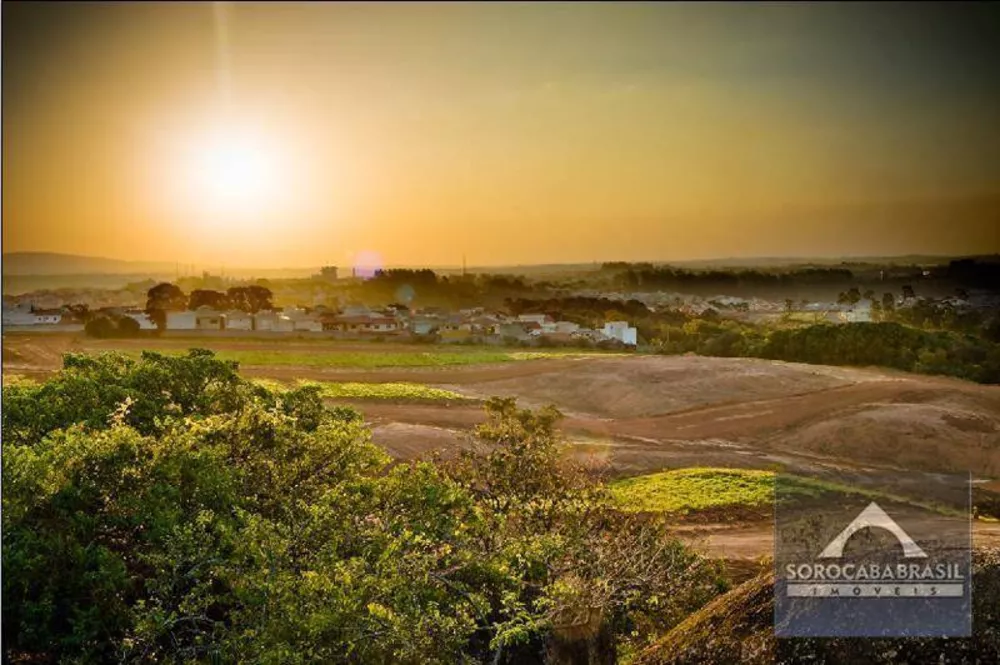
[
  {"x": 16, "y": 379},
  {"x": 164, "y": 509},
  {"x": 684, "y": 490},
  {"x": 889, "y": 344},
  {"x": 109, "y": 327},
  {"x": 390, "y": 391},
  {"x": 702, "y": 489}
]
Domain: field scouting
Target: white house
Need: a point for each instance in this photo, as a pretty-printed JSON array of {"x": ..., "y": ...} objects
[
  {"x": 207, "y": 318},
  {"x": 237, "y": 320},
  {"x": 367, "y": 324},
  {"x": 265, "y": 321},
  {"x": 186, "y": 320},
  {"x": 534, "y": 318},
  {"x": 24, "y": 314},
  {"x": 47, "y": 317},
  {"x": 621, "y": 331}
]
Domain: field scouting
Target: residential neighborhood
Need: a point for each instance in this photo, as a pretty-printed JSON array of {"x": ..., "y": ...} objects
[{"x": 475, "y": 325}]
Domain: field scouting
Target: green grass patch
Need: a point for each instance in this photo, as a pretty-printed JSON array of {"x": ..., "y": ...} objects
[
  {"x": 377, "y": 391},
  {"x": 389, "y": 391},
  {"x": 686, "y": 491}
]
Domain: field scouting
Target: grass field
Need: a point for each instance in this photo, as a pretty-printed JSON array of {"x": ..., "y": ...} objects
[
  {"x": 686, "y": 490},
  {"x": 699, "y": 489},
  {"x": 382, "y": 391}
]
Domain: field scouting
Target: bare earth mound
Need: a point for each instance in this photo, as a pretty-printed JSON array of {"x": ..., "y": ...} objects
[
  {"x": 738, "y": 628},
  {"x": 407, "y": 441},
  {"x": 643, "y": 386},
  {"x": 672, "y": 412}
]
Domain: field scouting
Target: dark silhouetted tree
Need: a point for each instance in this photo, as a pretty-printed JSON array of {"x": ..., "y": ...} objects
[
  {"x": 252, "y": 299},
  {"x": 209, "y": 298},
  {"x": 163, "y": 298}
]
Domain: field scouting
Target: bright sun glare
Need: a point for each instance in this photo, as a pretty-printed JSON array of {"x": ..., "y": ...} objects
[{"x": 236, "y": 170}]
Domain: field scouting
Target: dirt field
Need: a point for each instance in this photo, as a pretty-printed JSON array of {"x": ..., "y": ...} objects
[
  {"x": 639, "y": 414},
  {"x": 645, "y": 413}
]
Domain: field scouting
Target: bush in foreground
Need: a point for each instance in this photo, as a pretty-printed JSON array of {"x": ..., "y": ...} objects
[{"x": 166, "y": 510}]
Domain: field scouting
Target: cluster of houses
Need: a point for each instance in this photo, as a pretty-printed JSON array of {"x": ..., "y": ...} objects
[
  {"x": 353, "y": 322},
  {"x": 360, "y": 321}
]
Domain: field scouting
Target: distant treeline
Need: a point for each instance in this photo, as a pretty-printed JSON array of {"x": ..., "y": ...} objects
[
  {"x": 889, "y": 344},
  {"x": 975, "y": 273},
  {"x": 425, "y": 288}
]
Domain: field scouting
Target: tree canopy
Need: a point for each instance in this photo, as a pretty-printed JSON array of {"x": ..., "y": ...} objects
[{"x": 166, "y": 510}]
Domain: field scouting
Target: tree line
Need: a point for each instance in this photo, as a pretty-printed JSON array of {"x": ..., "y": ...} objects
[{"x": 166, "y": 297}]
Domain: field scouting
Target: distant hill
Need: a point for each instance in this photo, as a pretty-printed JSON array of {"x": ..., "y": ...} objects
[{"x": 19, "y": 264}]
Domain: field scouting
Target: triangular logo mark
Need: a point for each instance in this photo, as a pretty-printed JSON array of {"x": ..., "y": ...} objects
[{"x": 872, "y": 516}]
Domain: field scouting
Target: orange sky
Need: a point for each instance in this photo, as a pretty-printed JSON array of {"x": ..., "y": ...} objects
[{"x": 510, "y": 134}]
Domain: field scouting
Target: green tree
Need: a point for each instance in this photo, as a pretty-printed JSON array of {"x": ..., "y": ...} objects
[
  {"x": 163, "y": 298},
  {"x": 252, "y": 299},
  {"x": 128, "y": 327},
  {"x": 163, "y": 509},
  {"x": 101, "y": 327},
  {"x": 208, "y": 298},
  {"x": 888, "y": 303},
  {"x": 851, "y": 297}
]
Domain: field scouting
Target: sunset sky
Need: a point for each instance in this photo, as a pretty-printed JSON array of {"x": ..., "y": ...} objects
[{"x": 508, "y": 133}]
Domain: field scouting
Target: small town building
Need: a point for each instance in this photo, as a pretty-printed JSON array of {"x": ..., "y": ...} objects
[
  {"x": 266, "y": 321},
  {"x": 182, "y": 320},
  {"x": 621, "y": 331},
  {"x": 238, "y": 320},
  {"x": 367, "y": 323},
  {"x": 207, "y": 318},
  {"x": 26, "y": 314}
]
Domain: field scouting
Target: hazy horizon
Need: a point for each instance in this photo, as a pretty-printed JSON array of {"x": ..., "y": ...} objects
[
  {"x": 141, "y": 266},
  {"x": 509, "y": 134}
]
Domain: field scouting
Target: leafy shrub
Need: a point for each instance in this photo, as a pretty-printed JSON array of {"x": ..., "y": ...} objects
[{"x": 166, "y": 510}]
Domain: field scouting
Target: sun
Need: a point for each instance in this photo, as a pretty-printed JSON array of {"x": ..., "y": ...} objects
[{"x": 234, "y": 169}]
